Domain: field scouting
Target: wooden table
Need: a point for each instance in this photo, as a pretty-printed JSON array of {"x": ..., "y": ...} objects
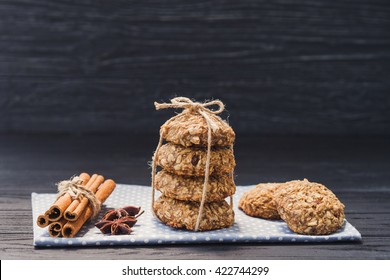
[{"x": 357, "y": 169}]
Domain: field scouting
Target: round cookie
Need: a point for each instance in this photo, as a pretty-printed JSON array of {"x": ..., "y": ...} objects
[
  {"x": 192, "y": 129},
  {"x": 191, "y": 188},
  {"x": 259, "y": 201},
  {"x": 309, "y": 208},
  {"x": 192, "y": 161},
  {"x": 183, "y": 214}
]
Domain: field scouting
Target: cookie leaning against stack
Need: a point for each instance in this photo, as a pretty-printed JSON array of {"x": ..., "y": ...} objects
[
  {"x": 259, "y": 201},
  {"x": 188, "y": 200},
  {"x": 307, "y": 207}
]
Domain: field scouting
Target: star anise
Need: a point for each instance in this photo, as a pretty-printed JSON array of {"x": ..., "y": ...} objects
[
  {"x": 119, "y": 221},
  {"x": 121, "y": 212}
]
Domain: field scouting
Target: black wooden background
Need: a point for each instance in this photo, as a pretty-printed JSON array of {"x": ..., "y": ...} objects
[{"x": 281, "y": 67}]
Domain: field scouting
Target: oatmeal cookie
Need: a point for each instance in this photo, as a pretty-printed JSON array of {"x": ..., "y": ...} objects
[
  {"x": 183, "y": 214},
  {"x": 309, "y": 208},
  {"x": 191, "y": 188},
  {"x": 191, "y": 129},
  {"x": 259, "y": 201},
  {"x": 192, "y": 161}
]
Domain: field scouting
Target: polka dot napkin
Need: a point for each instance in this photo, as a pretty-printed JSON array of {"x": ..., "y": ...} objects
[{"x": 149, "y": 231}]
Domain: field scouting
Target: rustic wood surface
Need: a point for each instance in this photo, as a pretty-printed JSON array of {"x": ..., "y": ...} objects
[
  {"x": 356, "y": 169},
  {"x": 287, "y": 66}
]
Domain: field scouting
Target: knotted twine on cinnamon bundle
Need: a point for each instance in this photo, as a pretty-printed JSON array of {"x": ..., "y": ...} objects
[
  {"x": 76, "y": 190},
  {"x": 191, "y": 107}
]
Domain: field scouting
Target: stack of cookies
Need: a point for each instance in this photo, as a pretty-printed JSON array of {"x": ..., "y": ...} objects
[
  {"x": 183, "y": 169},
  {"x": 307, "y": 207}
]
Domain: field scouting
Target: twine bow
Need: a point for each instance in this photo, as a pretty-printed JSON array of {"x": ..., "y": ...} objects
[
  {"x": 192, "y": 107},
  {"x": 76, "y": 190},
  {"x": 186, "y": 103}
]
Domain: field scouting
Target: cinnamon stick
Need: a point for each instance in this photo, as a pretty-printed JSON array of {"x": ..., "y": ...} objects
[
  {"x": 55, "y": 228},
  {"x": 71, "y": 228},
  {"x": 73, "y": 205},
  {"x": 57, "y": 209},
  {"x": 78, "y": 206},
  {"x": 42, "y": 221}
]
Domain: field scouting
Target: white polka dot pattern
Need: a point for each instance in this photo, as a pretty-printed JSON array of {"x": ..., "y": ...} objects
[{"x": 149, "y": 231}]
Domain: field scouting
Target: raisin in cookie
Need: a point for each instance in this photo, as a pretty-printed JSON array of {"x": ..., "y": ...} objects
[
  {"x": 259, "y": 201},
  {"x": 191, "y": 188},
  {"x": 192, "y": 161},
  {"x": 192, "y": 129},
  {"x": 309, "y": 208},
  {"x": 183, "y": 214}
]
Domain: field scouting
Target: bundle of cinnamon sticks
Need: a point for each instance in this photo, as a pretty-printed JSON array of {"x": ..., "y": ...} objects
[{"x": 67, "y": 215}]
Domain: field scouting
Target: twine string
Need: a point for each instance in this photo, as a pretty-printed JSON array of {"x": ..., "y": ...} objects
[
  {"x": 76, "y": 190},
  {"x": 186, "y": 103},
  {"x": 190, "y": 106},
  {"x": 207, "y": 171},
  {"x": 154, "y": 167}
]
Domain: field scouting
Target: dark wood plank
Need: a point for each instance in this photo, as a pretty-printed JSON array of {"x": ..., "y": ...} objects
[
  {"x": 281, "y": 67},
  {"x": 19, "y": 247},
  {"x": 355, "y": 168},
  {"x": 36, "y": 162}
]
